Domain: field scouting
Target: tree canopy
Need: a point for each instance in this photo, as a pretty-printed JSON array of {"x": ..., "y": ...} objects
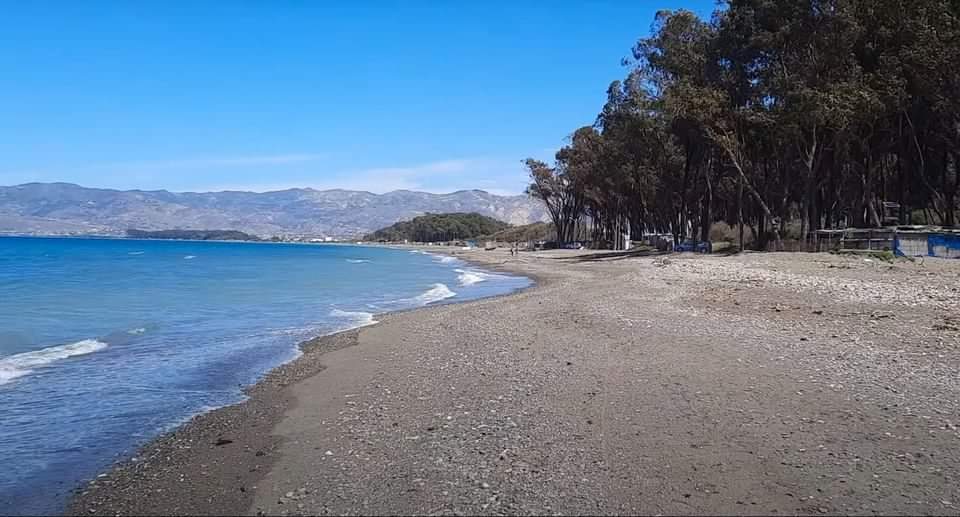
[
  {"x": 439, "y": 228},
  {"x": 195, "y": 235},
  {"x": 813, "y": 113}
]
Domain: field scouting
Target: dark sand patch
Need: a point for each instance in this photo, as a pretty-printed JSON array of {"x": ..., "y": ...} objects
[{"x": 211, "y": 464}]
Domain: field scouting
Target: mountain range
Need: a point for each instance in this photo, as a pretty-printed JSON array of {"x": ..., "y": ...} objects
[{"x": 65, "y": 208}]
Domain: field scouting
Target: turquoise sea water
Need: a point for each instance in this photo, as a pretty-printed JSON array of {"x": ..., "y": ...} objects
[{"x": 106, "y": 343}]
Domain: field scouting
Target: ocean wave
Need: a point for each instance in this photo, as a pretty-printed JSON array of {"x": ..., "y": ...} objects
[
  {"x": 18, "y": 365},
  {"x": 435, "y": 294},
  {"x": 445, "y": 259},
  {"x": 357, "y": 318},
  {"x": 471, "y": 277},
  {"x": 136, "y": 253},
  {"x": 137, "y": 331},
  {"x": 189, "y": 257},
  {"x": 359, "y": 261}
]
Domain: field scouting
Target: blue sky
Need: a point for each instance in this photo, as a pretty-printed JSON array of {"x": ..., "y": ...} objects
[{"x": 200, "y": 95}]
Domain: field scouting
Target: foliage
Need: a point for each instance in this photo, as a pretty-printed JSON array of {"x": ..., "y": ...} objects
[
  {"x": 194, "y": 235},
  {"x": 439, "y": 228},
  {"x": 559, "y": 191},
  {"x": 814, "y": 112}
]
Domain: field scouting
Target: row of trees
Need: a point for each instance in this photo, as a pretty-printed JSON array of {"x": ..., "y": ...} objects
[{"x": 775, "y": 114}]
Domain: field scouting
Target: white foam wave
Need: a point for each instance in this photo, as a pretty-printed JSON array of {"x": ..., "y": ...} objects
[
  {"x": 189, "y": 257},
  {"x": 136, "y": 253},
  {"x": 471, "y": 277},
  {"x": 137, "y": 331},
  {"x": 18, "y": 365},
  {"x": 435, "y": 294},
  {"x": 445, "y": 259},
  {"x": 358, "y": 261},
  {"x": 357, "y": 318}
]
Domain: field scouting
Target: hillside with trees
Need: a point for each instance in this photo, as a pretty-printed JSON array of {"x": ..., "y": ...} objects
[
  {"x": 194, "y": 235},
  {"x": 811, "y": 114},
  {"x": 439, "y": 228}
]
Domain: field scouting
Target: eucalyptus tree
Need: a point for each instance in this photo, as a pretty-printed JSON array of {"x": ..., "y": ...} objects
[
  {"x": 560, "y": 193},
  {"x": 815, "y": 110},
  {"x": 679, "y": 66}
]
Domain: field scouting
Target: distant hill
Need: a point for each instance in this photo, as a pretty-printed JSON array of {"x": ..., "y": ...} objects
[
  {"x": 439, "y": 227},
  {"x": 60, "y": 208},
  {"x": 196, "y": 235}
]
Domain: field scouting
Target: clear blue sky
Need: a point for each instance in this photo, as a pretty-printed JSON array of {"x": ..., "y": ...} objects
[{"x": 436, "y": 95}]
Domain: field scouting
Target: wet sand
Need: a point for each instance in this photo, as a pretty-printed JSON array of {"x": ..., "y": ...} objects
[{"x": 753, "y": 384}]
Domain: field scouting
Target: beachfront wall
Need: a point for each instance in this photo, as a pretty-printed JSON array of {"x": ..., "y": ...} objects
[
  {"x": 945, "y": 245},
  {"x": 903, "y": 241},
  {"x": 867, "y": 239},
  {"x": 911, "y": 244}
]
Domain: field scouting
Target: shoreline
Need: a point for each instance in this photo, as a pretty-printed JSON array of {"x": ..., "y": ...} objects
[
  {"x": 235, "y": 427},
  {"x": 229, "y": 441},
  {"x": 618, "y": 384}
]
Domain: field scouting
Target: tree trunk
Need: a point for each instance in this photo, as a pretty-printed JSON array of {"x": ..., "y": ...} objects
[
  {"x": 761, "y": 232},
  {"x": 935, "y": 196},
  {"x": 950, "y": 218},
  {"x": 683, "y": 195},
  {"x": 868, "y": 195},
  {"x": 740, "y": 210},
  {"x": 727, "y": 147},
  {"x": 901, "y": 191},
  {"x": 707, "y": 214}
]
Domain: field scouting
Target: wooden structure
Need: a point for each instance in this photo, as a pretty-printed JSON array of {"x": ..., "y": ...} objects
[
  {"x": 905, "y": 241},
  {"x": 875, "y": 239}
]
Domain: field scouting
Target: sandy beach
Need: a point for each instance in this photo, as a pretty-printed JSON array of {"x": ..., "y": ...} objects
[{"x": 749, "y": 384}]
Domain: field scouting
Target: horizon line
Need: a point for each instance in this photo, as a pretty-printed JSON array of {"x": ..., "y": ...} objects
[{"x": 258, "y": 192}]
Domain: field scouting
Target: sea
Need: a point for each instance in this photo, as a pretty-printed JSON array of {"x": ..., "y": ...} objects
[{"x": 106, "y": 343}]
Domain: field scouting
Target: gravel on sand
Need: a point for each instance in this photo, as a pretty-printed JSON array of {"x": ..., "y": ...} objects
[{"x": 749, "y": 384}]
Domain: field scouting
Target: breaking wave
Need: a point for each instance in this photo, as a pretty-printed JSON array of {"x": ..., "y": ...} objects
[
  {"x": 357, "y": 319},
  {"x": 189, "y": 257},
  {"x": 435, "y": 294},
  {"x": 18, "y": 365},
  {"x": 471, "y": 277},
  {"x": 359, "y": 261}
]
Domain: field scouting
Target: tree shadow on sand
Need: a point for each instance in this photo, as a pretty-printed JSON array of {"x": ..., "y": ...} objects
[{"x": 613, "y": 255}]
